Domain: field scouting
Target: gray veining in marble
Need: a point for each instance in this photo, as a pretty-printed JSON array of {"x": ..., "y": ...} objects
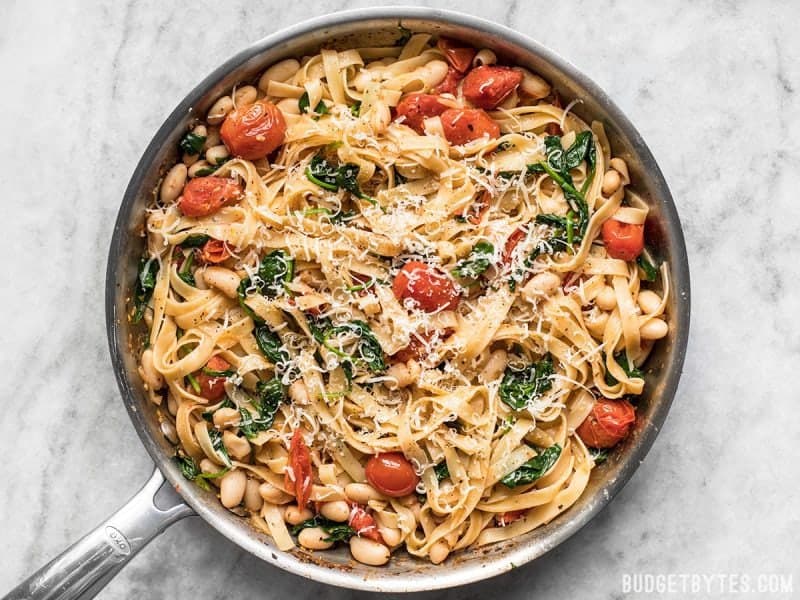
[{"x": 713, "y": 88}]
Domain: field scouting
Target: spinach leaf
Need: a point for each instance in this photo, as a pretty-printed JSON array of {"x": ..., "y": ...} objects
[
  {"x": 192, "y": 472},
  {"x": 479, "y": 259},
  {"x": 649, "y": 269},
  {"x": 270, "y": 344},
  {"x": 367, "y": 352},
  {"x": 522, "y": 386},
  {"x": 185, "y": 272},
  {"x": 337, "y": 532},
  {"x": 534, "y": 468},
  {"x": 441, "y": 471},
  {"x": 145, "y": 284},
  {"x": 599, "y": 455},
  {"x": 630, "y": 369},
  {"x": 194, "y": 383},
  {"x": 196, "y": 240},
  {"x": 270, "y": 395},
  {"x": 214, "y": 373},
  {"x": 322, "y": 173},
  {"x": 405, "y": 35},
  {"x": 219, "y": 447},
  {"x": 304, "y": 104},
  {"x": 355, "y": 109},
  {"x": 192, "y": 144},
  {"x": 274, "y": 272}
]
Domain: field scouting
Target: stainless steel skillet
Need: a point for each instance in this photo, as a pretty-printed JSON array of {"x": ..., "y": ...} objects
[{"x": 82, "y": 570}]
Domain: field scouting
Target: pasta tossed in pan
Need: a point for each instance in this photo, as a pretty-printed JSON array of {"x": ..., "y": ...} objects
[{"x": 397, "y": 297}]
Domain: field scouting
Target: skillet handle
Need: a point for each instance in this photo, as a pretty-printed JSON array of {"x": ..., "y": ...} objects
[{"x": 81, "y": 571}]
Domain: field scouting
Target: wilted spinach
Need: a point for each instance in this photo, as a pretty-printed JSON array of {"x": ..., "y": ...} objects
[
  {"x": 441, "y": 471},
  {"x": 479, "y": 259},
  {"x": 145, "y": 284},
  {"x": 631, "y": 370},
  {"x": 368, "y": 351},
  {"x": 534, "y": 468},
  {"x": 337, "y": 532},
  {"x": 649, "y": 269},
  {"x": 270, "y": 394},
  {"x": 192, "y": 144},
  {"x": 192, "y": 472},
  {"x": 274, "y": 272},
  {"x": 305, "y": 106},
  {"x": 522, "y": 386},
  {"x": 330, "y": 177}
]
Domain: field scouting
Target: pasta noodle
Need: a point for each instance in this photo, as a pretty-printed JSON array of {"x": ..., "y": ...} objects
[{"x": 471, "y": 311}]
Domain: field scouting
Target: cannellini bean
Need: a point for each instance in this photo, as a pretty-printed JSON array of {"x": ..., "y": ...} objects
[
  {"x": 217, "y": 154},
  {"x": 484, "y": 57},
  {"x": 433, "y": 73},
  {"x": 648, "y": 301},
  {"x": 494, "y": 366},
  {"x": 338, "y": 511},
  {"x": 294, "y": 515},
  {"x": 606, "y": 299},
  {"x": 244, "y": 96},
  {"x": 274, "y": 495},
  {"x": 654, "y": 329},
  {"x": 533, "y": 85},
  {"x": 621, "y": 167},
  {"x": 439, "y": 552},
  {"x": 237, "y": 447},
  {"x": 252, "y": 499},
  {"x": 190, "y": 159},
  {"x": 150, "y": 375},
  {"x": 225, "y": 417},
  {"x": 541, "y": 284},
  {"x": 231, "y": 488},
  {"x": 208, "y": 466},
  {"x": 172, "y": 405},
  {"x": 225, "y": 280},
  {"x": 369, "y": 552},
  {"x": 298, "y": 393},
  {"x": 596, "y": 322},
  {"x": 200, "y": 130},
  {"x": 280, "y": 71},
  {"x": 219, "y": 110},
  {"x": 289, "y": 106},
  {"x": 212, "y": 138},
  {"x": 403, "y": 374},
  {"x": 314, "y": 538},
  {"x": 611, "y": 182},
  {"x": 172, "y": 185},
  {"x": 148, "y": 317},
  {"x": 391, "y": 536},
  {"x": 380, "y": 116},
  {"x": 198, "y": 166},
  {"x": 361, "y": 492}
]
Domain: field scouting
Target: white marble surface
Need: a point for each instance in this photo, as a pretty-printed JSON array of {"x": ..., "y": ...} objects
[{"x": 713, "y": 88}]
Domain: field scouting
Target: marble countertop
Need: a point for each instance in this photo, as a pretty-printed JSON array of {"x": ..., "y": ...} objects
[{"x": 712, "y": 87}]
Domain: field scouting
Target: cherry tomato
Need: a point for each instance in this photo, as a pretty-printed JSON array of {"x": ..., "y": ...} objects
[
  {"x": 511, "y": 243},
  {"x": 253, "y": 131},
  {"x": 607, "y": 424},
  {"x": 449, "y": 85},
  {"x": 417, "y": 348},
  {"x": 299, "y": 477},
  {"x": 458, "y": 57},
  {"x": 623, "y": 240},
  {"x": 212, "y": 388},
  {"x": 418, "y": 107},
  {"x": 391, "y": 474},
  {"x": 363, "y": 523},
  {"x": 430, "y": 289},
  {"x": 479, "y": 208},
  {"x": 555, "y": 128},
  {"x": 509, "y": 517},
  {"x": 214, "y": 252},
  {"x": 488, "y": 86},
  {"x": 204, "y": 196},
  {"x": 462, "y": 125}
]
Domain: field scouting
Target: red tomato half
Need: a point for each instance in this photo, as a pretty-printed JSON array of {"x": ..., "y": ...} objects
[
  {"x": 458, "y": 57},
  {"x": 204, "y": 196},
  {"x": 509, "y": 517},
  {"x": 214, "y": 252},
  {"x": 607, "y": 424},
  {"x": 299, "y": 478},
  {"x": 418, "y": 107},
  {"x": 623, "y": 240},
  {"x": 212, "y": 388},
  {"x": 430, "y": 289},
  {"x": 363, "y": 523},
  {"x": 487, "y": 86},
  {"x": 462, "y": 125},
  {"x": 253, "y": 131},
  {"x": 449, "y": 85},
  {"x": 511, "y": 243},
  {"x": 479, "y": 208},
  {"x": 391, "y": 474},
  {"x": 417, "y": 348}
]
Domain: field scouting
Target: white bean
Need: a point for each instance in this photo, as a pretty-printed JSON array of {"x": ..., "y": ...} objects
[
  {"x": 314, "y": 538},
  {"x": 217, "y": 154},
  {"x": 542, "y": 284},
  {"x": 648, "y": 301},
  {"x": 294, "y": 515},
  {"x": 369, "y": 552},
  {"x": 611, "y": 182},
  {"x": 338, "y": 511},
  {"x": 237, "y": 447},
  {"x": 402, "y": 374},
  {"x": 533, "y": 85},
  {"x": 621, "y": 167},
  {"x": 361, "y": 492},
  {"x": 172, "y": 185},
  {"x": 219, "y": 110},
  {"x": 439, "y": 552},
  {"x": 225, "y": 417},
  {"x": 280, "y": 71},
  {"x": 225, "y": 280},
  {"x": 484, "y": 57},
  {"x": 198, "y": 166},
  {"x": 151, "y": 376},
  {"x": 231, "y": 488},
  {"x": 391, "y": 536},
  {"x": 212, "y": 138},
  {"x": 245, "y": 96},
  {"x": 654, "y": 329},
  {"x": 252, "y": 499},
  {"x": 208, "y": 467},
  {"x": 274, "y": 495},
  {"x": 596, "y": 322},
  {"x": 289, "y": 106},
  {"x": 606, "y": 299},
  {"x": 190, "y": 159}
]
